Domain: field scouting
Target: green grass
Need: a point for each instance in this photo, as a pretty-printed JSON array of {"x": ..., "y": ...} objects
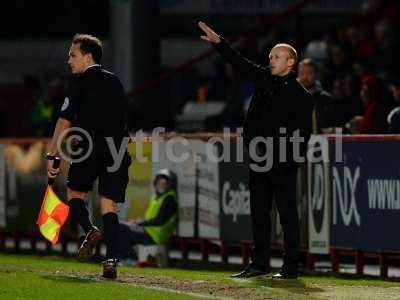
[
  {"x": 19, "y": 281},
  {"x": 71, "y": 265},
  {"x": 34, "y": 277},
  {"x": 29, "y": 285}
]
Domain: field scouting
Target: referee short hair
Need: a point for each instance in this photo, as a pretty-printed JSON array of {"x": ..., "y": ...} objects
[{"x": 89, "y": 44}]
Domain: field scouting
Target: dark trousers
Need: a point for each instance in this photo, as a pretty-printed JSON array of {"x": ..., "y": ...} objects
[
  {"x": 280, "y": 184},
  {"x": 129, "y": 236}
]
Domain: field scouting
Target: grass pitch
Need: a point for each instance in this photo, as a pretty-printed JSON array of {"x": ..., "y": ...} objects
[{"x": 35, "y": 277}]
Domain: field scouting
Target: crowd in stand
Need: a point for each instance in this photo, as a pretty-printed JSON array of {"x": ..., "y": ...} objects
[{"x": 353, "y": 73}]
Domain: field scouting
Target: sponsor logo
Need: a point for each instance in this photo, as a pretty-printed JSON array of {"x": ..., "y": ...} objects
[
  {"x": 344, "y": 200},
  {"x": 318, "y": 194},
  {"x": 235, "y": 202}
]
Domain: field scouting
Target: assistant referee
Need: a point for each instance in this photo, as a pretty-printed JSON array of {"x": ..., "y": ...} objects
[{"x": 95, "y": 104}]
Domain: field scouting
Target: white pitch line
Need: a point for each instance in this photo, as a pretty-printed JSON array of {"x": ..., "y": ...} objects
[
  {"x": 57, "y": 273},
  {"x": 201, "y": 296},
  {"x": 154, "y": 287}
]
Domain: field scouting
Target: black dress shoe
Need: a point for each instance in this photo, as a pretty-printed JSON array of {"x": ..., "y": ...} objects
[
  {"x": 285, "y": 275},
  {"x": 248, "y": 272}
]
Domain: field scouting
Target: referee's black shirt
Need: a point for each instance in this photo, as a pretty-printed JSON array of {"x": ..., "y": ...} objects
[{"x": 96, "y": 102}]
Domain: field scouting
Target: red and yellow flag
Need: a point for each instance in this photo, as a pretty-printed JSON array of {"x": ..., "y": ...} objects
[{"x": 52, "y": 216}]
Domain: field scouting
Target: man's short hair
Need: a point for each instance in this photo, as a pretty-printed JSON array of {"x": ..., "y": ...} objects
[
  {"x": 290, "y": 49},
  {"x": 89, "y": 44},
  {"x": 309, "y": 62}
]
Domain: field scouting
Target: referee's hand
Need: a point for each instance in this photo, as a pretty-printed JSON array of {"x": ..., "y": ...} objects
[{"x": 51, "y": 172}]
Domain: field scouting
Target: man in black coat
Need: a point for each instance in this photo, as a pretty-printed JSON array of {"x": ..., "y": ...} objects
[{"x": 276, "y": 131}]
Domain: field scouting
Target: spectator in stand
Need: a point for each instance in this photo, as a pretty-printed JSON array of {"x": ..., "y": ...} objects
[
  {"x": 394, "y": 116},
  {"x": 348, "y": 103},
  {"x": 373, "y": 121},
  {"x": 366, "y": 47},
  {"x": 318, "y": 49},
  {"x": 351, "y": 38},
  {"x": 362, "y": 68},
  {"x": 337, "y": 89},
  {"x": 267, "y": 43},
  {"x": 351, "y": 93},
  {"x": 386, "y": 35},
  {"x": 237, "y": 92},
  {"x": 33, "y": 94},
  {"x": 45, "y": 111},
  {"x": 56, "y": 95},
  {"x": 339, "y": 63},
  {"x": 324, "y": 107}
]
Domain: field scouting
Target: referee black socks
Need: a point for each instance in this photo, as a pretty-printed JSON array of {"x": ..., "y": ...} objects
[
  {"x": 80, "y": 214},
  {"x": 111, "y": 227}
]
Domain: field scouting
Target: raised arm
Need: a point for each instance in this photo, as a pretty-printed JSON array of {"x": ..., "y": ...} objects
[{"x": 248, "y": 68}]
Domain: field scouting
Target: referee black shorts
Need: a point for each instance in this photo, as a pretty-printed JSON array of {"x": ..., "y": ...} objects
[{"x": 112, "y": 184}]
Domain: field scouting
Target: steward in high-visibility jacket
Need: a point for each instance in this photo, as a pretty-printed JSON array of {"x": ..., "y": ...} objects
[
  {"x": 160, "y": 219},
  {"x": 161, "y": 215}
]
